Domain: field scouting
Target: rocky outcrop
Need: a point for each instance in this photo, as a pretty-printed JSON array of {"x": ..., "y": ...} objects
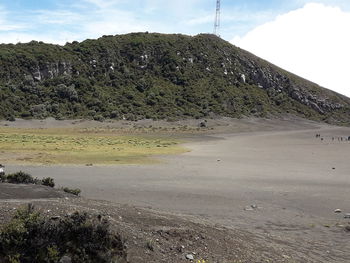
[{"x": 51, "y": 70}]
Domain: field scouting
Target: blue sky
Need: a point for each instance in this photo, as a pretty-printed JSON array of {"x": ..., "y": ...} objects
[
  {"x": 256, "y": 25},
  {"x": 65, "y": 20}
]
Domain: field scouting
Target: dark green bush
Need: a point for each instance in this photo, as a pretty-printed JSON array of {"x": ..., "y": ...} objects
[
  {"x": 75, "y": 191},
  {"x": 2, "y": 178},
  {"x": 11, "y": 118},
  {"x": 29, "y": 237},
  {"x": 48, "y": 181},
  {"x": 20, "y": 178}
]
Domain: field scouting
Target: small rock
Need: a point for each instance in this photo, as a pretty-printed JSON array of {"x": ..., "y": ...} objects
[
  {"x": 55, "y": 217},
  {"x": 337, "y": 211},
  {"x": 189, "y": 257},
  {"x": 65, "y": 259},
  {"x": 254, "y": 206},
  {"x": 347, "y": 215},
  {"x": 347, "y": 228}
]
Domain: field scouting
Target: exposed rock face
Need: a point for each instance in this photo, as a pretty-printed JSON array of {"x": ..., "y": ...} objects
[
  {"x": 51, "y": 70},
  {"x": 269, "y": 79}
]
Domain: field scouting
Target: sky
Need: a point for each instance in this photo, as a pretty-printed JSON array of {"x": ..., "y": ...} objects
[{"x": 308, "y": 38}]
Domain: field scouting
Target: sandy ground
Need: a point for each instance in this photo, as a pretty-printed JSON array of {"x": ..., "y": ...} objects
[{"x": 281, "y": 185}]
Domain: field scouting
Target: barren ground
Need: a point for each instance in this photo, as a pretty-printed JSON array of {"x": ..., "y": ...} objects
[{"x": 263, "y": 185}]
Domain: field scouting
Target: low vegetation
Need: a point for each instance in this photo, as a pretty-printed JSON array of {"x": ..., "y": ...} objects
[
  {"x": 69, "y": 146},
  {"x": 25, "y": 178},
  {"x": 74, "y": 191},
  {"x": 80, "y": 237}
]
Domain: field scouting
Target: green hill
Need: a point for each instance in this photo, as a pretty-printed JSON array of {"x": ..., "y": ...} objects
[{"x": 157, "y": 76}]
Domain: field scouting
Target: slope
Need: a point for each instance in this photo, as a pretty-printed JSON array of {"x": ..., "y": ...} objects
[{"x": 142, "y": 75}]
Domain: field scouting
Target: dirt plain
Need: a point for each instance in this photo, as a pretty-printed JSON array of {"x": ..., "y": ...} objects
[{"x": 258, "y": 190}]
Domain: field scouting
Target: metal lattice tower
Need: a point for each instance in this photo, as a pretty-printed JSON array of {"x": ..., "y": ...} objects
[{"x": 217, "y": 19}]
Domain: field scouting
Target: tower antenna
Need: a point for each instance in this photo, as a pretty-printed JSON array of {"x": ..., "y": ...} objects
[{"x": 217, "y": 19}]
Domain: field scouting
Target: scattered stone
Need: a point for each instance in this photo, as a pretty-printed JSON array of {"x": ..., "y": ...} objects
[
  {"x": 254, "y": 206},
  {"x": 55, "y": 217},
  {"x": 337, "y": 211},
  {"x": 243, "y": 78},
  {"x": 189, "y": 257},
  {"x": 65, "y": 259},
  {"x": 347, "y": 228}
]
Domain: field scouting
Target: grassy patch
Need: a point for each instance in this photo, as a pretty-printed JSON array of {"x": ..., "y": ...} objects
[{"x": 72, "y": 146}]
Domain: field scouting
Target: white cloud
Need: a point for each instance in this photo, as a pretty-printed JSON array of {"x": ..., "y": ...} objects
[
  {"x": 20, "y": 37},
  {"x": 102, "y": 3},
  {"x": 312, "y": 42},
  {"x": 57, "y": 17},
  {"x": 5, "y": 25},
  {"x": 112, "y": 22}
]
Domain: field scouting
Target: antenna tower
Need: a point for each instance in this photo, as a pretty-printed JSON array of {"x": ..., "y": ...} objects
[{"x": 217, "y": 19}]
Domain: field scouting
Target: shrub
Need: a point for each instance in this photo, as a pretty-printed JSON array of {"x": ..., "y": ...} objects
[
  {"x": 99, "y": 118},
  {"x": 75, "y": 191},
  {"x": 2, "y": 178},
  {"x": 20, "y": 178},
  {"x": 67, "y": 92},
  {"x": 30, "y": 237},
  {"x": 11, "y": 118},
  {"x": 48, "y": 181}
]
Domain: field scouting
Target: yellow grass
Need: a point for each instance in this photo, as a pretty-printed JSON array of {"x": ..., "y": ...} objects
[{"x": 73, "y": 146}]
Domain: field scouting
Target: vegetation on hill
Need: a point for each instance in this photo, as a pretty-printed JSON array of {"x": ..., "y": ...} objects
[{"x": 157, "y": 76}]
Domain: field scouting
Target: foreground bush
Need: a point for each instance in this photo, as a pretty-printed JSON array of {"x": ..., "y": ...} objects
[
  {"x": 20, "y": 178},
  {"x": 2, "y": 178},
  {"x": 29, "y": 237},
  {"x": 48, "y": 181},
  {"x": 25, "y": 178},
  {"x": 75, "y": 191}
]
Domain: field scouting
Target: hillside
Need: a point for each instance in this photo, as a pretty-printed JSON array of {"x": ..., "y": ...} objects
[{"x": 157, "y": 76}]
